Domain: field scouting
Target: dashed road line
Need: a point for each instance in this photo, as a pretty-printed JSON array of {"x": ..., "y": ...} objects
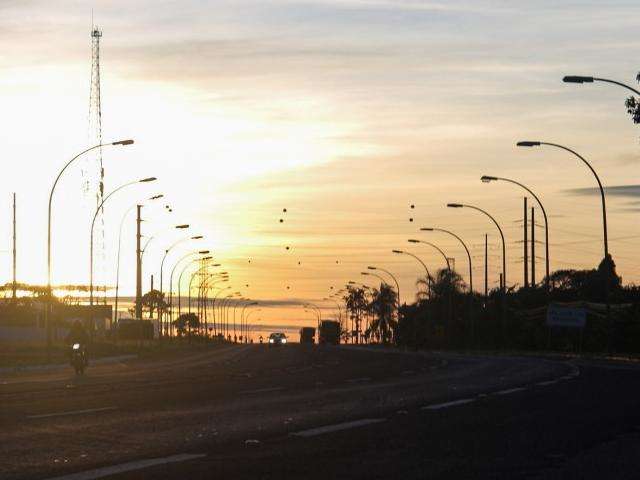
[
  {"x": 359, "y": 380},
  {"x": 312, "y": 432},
  {"x": 439, "y": 406},
  {"x": 509, "y": 391},
  {"x": 73, "y": 412},
  {"x": 262, "y": 390},
  {"x": 548, "y": 382},
  {"x": 127, "y": 467}
]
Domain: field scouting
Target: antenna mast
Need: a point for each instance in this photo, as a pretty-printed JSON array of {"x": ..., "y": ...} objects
[{"x": 94, "y": 172}]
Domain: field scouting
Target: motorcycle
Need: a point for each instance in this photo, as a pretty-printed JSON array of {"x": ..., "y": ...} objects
[{"x": 79, "y": 360}]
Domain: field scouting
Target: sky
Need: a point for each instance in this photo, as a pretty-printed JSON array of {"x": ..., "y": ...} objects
[{"x": 344, "y": 112}]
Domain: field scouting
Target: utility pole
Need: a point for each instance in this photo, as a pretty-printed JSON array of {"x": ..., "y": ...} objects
[
  {"x": 14, "y": 286},
  {"x": 533, "y": 248},
  {"x": 486, "y": 266},
  {"x": 526, "y": 246},
  {"x": 138, "y": 266}
]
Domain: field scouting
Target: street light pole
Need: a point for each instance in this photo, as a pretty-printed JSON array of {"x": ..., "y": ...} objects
[
  {"x": 190, "y": 254},
  {"x": 115, "y": 315},
  {"x": 242, "y": 320},
  {"x": 421, "y": 262},
  {"x": 504, "y": 247},
  {"x": 607, "y": 260},
  {"x": 93, "y": 222},
  {"x": 528, "y": 143},
  {"x": 432, "y": 229},
  {"x": 47, "y": 310},
  {"x": 585, "y": 79},
  {"x": 412, "y": 240},
  {"x": 370, "y": 267},
  {"x": 488, "y": 179}
]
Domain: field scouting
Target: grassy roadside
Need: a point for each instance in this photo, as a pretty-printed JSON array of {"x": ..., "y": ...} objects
[{"x": 28, "y": 354}]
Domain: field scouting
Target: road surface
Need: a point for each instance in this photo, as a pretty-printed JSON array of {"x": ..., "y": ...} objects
[{"x": 309, "y": 412}]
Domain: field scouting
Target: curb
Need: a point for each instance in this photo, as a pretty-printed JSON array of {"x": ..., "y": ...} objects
[{"x": 58, "y": 366}]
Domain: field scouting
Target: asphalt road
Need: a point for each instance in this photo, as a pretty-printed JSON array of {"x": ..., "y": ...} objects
[{"x": 294, "y": 412}]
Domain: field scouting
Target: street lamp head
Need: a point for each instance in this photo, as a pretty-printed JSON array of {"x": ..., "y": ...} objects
[
  {"x": 455, "y": 205},
  {"x": 528, "y": 143},
  {"x": 488, "y": 179},
  {"x": 371, "y": 268},
  {"x": 197, "y": 237},
  {"x": 186, "y": 225},
  {"x": 207, "y": 258},
  {"x": 397, "y": 251},
  {"x": 123, "y": 142},
  {"x": 147, "y": 180},
  {"x": 364, "y": 273},
  {"x": 427, "y": 229},
  {"x": 156, "y": 197},
  {"x": 577, "y": 79},
  {"x": 203, "y": 252},
  {"x": 351, "y": 282},
  {"x": 413, "y": 240}
]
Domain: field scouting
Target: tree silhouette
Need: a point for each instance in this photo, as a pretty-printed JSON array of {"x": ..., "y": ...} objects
[
  {"x": 633, "y": 105},
  {"x": 357, "y": 306},
  {"x": 382, "y": 307},
  {"x": 185, "y": 323},
  {"x": 153, "y": 300}
]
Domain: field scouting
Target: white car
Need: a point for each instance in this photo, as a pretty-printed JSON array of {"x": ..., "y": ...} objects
[{"x": 277, "y": 338}]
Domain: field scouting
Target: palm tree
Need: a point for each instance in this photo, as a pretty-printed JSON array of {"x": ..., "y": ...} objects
[
  {"x": 382, "y": 306},
  {"x": 357, "y": 305},
  {"x": 447, "y": 282}
]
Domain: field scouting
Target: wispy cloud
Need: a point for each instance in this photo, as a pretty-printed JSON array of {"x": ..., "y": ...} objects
[{"x": 623, "y": 191}]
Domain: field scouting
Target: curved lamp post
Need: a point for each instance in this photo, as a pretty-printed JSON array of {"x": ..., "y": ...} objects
[
  {"x": 47, "y": 310},
  {"x": 430, "y": 229},
  {"x": 93, "y": 222},
  {"x": 585, "y": 79},
  {"x": 371, "y": 267},
  {"x": 504, "y": 247},
  {"x": 243, "y": 330},
  {"x": 402, "y": 252},
  {"x": 489, "y": 179},
  {"x": 607, "y": 280},
  {"x": 413, "y": 240},
  {"x": 529, "y": 143},
  {"x": 466, "y": 249},
  {"x": 124, "y": 217}
]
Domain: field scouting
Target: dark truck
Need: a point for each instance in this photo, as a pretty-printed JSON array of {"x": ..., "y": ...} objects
[
  {"x": 307, "y": 335},
  {"x": 329, "y": 332}
]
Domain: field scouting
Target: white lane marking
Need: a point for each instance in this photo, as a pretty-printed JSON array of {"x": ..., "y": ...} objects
[
  {"x": 127, "y": 467},
  {"x": 312, "y": 432},
  {"x": 548, "y": 382},
  {"x": 262, "y": 390},
  {"x": 74, "y": 412},
  {"x": 439, "y": 406},
  {"x": 510, "y": 390},
  {"x": 359, "y": 380}
]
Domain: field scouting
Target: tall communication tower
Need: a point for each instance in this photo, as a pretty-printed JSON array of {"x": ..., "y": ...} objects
[{"x": 93, "y": 171}]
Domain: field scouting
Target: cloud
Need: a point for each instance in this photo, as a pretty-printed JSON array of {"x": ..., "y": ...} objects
[{"x": 622, "y": 191}]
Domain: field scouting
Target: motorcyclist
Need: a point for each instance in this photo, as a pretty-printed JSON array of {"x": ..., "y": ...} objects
[{"x": 77, "y": 339}]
